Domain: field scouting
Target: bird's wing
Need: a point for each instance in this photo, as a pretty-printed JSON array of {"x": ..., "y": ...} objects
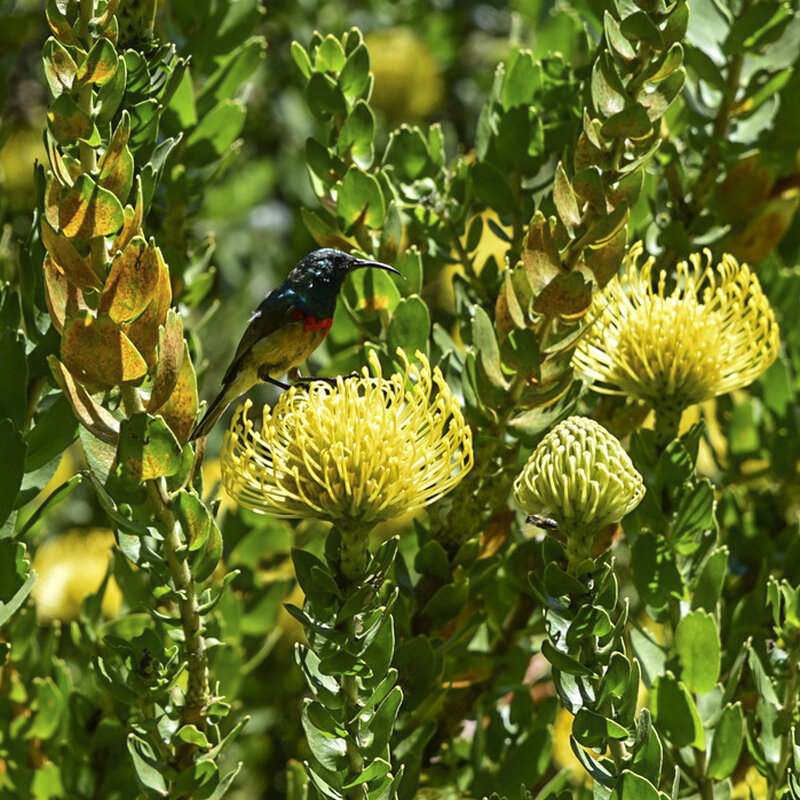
[{"x": 275, "y": 311}]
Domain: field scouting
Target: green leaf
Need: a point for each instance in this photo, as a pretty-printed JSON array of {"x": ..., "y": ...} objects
[
  {"x": 593, "y": 730},
  {"x": 381, "y": 725},
  {"x": 47, "y": 783},
  {"x": 376, "y": 770},
  {"x": 698, "y": 648},
  {"x": 655, "y": 574},
  {"x": 190, "y": 734},
  {"x": 195, "y": 519},
  {"x": 409, "y": 327},
  {"x": 357, "y": 133},
  {"x": 149, "y": 777},
  {"x": 564, "y": 662},
  {"x": 300, "y": 57},
  {"x": 330, "y": 55},
  {"x": 695, "y": 513},
  {"x": 726, "y": 744},
  {"x": 100, "y": 63},
  {"x": 215, "y": 133},
  {"x": 407, "y": 152},
  {"x": 485, "y": 343},
  {"x": 639, "y": 26},
  {"x": 13, "y": 378},
  {"x": 675, "y": 713},
  {"x": 110, "y": 95},
  {"x": 354, "y": 77},
  {"x": 522, "y": 79},
  {"x": 330, "y": 751},
  {"x": 325, "y": 687},
  {"x": 590, "y": 621},
  {"x": 50, "y": 705},
  {"x": 409, "y": 263},
  {"x": 325, "y": 98},
  {"x": 359, "y": 200},
  {"x": 493, "y": 189},
  {"x": 54, "y": 430},
  {"x": 204, "y": 566},
  {"x": 635, "y": 787},
  {"x": 13, "y": 448},
  {"x": 147, "y": 448},
  {"x": 232, "y": 73},
  {"x": 760, "y": 25},
  {"x": 614, "y": 37},
  {"x": 708, "y": 585}
]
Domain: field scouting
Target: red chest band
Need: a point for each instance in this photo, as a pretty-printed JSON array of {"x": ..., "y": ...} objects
[{"x": 312, "y": 323}]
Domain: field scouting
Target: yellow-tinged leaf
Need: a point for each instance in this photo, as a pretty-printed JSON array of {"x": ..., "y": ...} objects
[
  {"x": 96, "y": 419},
  {"x": 508, "y": 312},
  {"x": 540, "y": 254},
  {"x": 67, "y": 121},
  {"x": 116, "y": 166},
  {"x": 100, "y": 63},
  {"x": 77, "y": 268},
  {"x": 96, "y": 351},
  {"x": 133, "y": 221},
  {"x": 118, "y": 143},
  {"x": 64, "y": 299},
  {"x": 52, "y": 201},
  {"x": 147, "y": 448},
  {"x": 180, "y": 411},
  {"x": 118, "y": 177},
  {"x": 143, "y": 331},
  {"x": 170, "y": 359},
  {"x": 87, "y": 210},
  {"x": 131, "y": 282},
  {"x": 566, "y": 296}
]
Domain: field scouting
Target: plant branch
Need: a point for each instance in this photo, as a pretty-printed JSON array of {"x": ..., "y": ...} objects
[{"x": 175, "y": 552}]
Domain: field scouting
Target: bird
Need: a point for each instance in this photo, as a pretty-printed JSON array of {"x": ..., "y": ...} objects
[{"x": 289, "y": 324}]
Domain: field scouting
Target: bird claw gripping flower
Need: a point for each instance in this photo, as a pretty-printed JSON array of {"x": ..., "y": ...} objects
[
  {"x": 713, "y": 333},
  {"x": 580, "y": 477},
  {"x": 354, "y": 453}
]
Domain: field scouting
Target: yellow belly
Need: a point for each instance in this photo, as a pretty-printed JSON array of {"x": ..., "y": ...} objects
[{"x": 284, "y": 349}]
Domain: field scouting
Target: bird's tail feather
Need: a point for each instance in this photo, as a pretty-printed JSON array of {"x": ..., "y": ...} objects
[{"x": 215, "y": 411}]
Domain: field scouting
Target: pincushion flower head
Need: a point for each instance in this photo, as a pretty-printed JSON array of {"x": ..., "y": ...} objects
[
  {"x": 714, "y": 332},
  {"x": 579, "y": 476},
  {"x": 355, "y": 453}
]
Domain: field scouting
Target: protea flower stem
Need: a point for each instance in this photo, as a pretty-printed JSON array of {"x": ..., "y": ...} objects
[
  {"x": 668, "y": 420},
  {"x": 354, "y": 550}
]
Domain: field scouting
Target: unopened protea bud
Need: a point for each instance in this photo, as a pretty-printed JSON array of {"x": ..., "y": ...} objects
[{"x": 581, "y": 479}]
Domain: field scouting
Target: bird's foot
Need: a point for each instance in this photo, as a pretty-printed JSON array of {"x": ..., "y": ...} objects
[
  {"x": 264, "y": 376},
  {"x": 314, "y": 379}
]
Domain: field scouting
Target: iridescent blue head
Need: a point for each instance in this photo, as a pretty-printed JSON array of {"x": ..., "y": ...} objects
[{"x": 318, "y": 278}]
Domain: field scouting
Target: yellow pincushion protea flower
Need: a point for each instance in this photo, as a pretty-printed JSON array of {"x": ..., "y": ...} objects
[
  {"x": 580, "y": 476},
  {"x": 714, "y": 332},
  {"x": 364, "y": 450}
]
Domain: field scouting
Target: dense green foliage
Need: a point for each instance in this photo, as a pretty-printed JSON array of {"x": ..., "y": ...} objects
[{"x": 156, "y": 640}]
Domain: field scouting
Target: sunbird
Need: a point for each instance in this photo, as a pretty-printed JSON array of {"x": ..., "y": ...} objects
[{"x": 288, "y": 325}]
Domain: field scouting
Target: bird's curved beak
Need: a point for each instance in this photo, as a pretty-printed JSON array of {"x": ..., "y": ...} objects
[{"x": 362, "y": 263}]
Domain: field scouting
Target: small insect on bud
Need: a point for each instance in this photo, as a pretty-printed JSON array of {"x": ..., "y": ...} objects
[{"x": 545, "y": 523}]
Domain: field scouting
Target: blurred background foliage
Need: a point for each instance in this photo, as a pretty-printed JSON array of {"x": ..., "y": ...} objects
[{"x": 230, "y": 223}]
